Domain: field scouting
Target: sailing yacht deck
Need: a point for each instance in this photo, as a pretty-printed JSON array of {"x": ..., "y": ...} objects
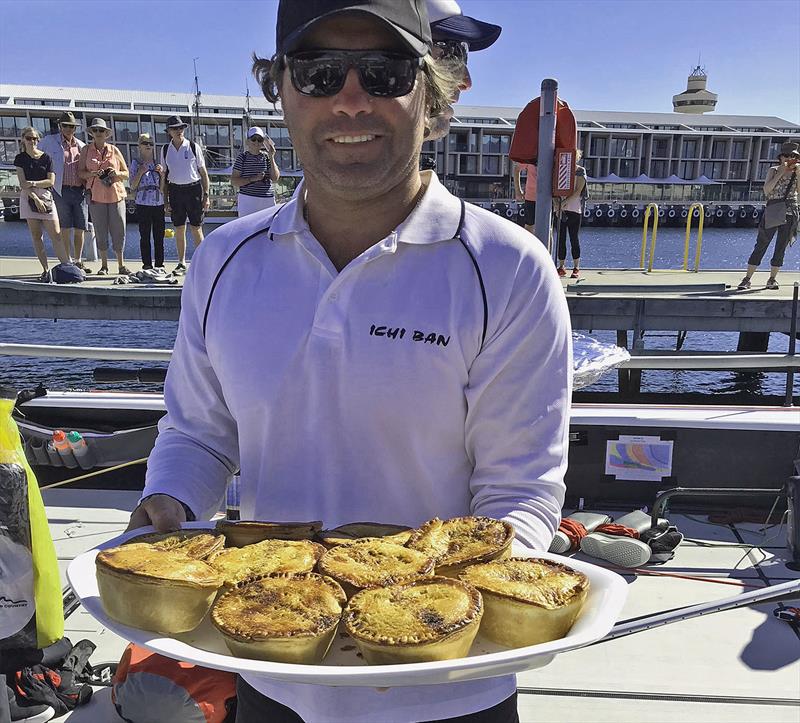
[{"x": 739, "y": 665}]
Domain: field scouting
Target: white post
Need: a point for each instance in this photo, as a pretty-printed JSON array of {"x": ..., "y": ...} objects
[{"x": 544, "y": 167}]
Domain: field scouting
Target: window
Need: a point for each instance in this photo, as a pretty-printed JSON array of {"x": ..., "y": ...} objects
[
  {"x": 40, "y": 101},
  {"x": 8, "y": 151},
  {"x": 713, "y": 169},
  {"x": 11, "y": 126},
  {"x": 216, "y": 134},
  {"x": 738, "y": 169},
  {"x": 659, "y": 169},
  {"x": 627, "y": 168},
  {"x": 660, "y": 147},
  {"x": 719, "y": 149},
  {"x": 739, "y": 150},
  {"x": 162, "y": 108},
  {"x": 3, "y": 99},
  {"x": 45, "y": 126},
  {"x": 229, "y": 111},
  {"x": 284, "y": 159},
  {"x": 463, "y": 141},
  {"x": 280, "y": 136},
  {"x": 102, "y": 104},
  {"x": 161, "y": 132},
  {"x": 468, "y": 164},
  {"x": 623, "y": 147},
  {"x": 691, "y": 148},
  {"x": 495, "y": 143},
  {"x": 770, "y": 150},
  {"x": 126, "y": 131},
  {"x": 762, "y": 170},
  {"x": 598, "y": 147},
  {"x": 686, "y": 169},
  {"x": 263, "y": 111},
  {"x": 219, "y": 157},
  {"x": 665, "y": 128},
  {"x": 146, "y": 127},
  {"x": 492, "y": 165}
]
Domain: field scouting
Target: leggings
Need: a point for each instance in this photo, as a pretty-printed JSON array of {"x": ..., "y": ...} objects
[
  {"x": 786, "y": 233},
  {"x": 572, "y": 221},
  {"x": 253, "y": 707},
  {"x": 109, "y": 218},
  {"x": 151, "y": 218}
]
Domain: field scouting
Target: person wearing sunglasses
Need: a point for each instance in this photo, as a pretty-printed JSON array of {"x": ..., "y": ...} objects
[
  {"x": 255, "y": 172},
  {"x": 36, "y": 179},
  {"x": 64, "y": 148},
  {"x": 373, "y": 349},
  {"x": 454, "y": 36},
  {"x": 103, "y": 167},
  {"x": 146, "y": 184}
]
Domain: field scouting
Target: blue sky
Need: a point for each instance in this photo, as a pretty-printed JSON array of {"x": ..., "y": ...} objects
[{"x": 607, "y": 55}]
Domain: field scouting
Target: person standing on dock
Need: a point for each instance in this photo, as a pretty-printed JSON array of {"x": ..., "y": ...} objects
[
  {"x": 781, "y": 189},
  {"x": 146, "y": 184},
  {"x": 255, "y": 172},
  {"x": 375, "y": 348},
  {"x": 571, "y": 212},
  {"x": 185, "y": 186},
  {"x": 526, "y": 193},
  {"x": 69, "y": 192},
  {"x": 103, "y": 168},
  {"x": 36, "y": 178}
]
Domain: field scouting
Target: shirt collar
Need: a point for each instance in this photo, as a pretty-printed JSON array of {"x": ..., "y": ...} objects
[{"x": 435, "y": 217}]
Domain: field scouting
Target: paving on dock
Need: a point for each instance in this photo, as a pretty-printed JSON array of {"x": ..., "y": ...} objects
[{"x": 738, "y": 665}]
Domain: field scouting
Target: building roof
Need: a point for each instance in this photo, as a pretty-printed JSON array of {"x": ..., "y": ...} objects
[{"x": 499, "y": 115}]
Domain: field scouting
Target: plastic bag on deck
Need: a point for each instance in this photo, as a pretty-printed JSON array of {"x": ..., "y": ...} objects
[
  {"x": 31, "y": 610},
  {"x": 592, "y": 359}
]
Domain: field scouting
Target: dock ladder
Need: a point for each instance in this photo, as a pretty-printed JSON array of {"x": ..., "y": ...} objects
[
  {"x": 653, "y": 208},
  {"x": 701, "y": 217}
]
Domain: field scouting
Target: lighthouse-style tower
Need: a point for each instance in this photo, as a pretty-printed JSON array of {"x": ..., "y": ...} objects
[{"x": 695, "y": 99}]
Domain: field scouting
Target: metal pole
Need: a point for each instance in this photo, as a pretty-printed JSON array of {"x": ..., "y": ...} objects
[
  {"x": 544, "y": 166},
  {"x": 792, "y": 343}
]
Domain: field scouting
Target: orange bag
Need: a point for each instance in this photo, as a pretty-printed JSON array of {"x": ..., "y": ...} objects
[
  {"x": 525, "y": 141},
  {"x": 151, "y": 688}
]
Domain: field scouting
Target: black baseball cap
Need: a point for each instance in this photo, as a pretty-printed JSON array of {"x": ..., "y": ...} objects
[
  {"x": 449, "y": 23},
  {"x": 407, "y": 19}
]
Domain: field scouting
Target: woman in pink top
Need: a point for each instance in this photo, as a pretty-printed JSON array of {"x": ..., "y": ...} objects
[
  {"x": 529, "y": 194},
  {"x": 103, "y": 168}
]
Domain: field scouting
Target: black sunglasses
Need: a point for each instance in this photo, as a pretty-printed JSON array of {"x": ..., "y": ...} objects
[
  {"x": 30, "y": 138},
  {"x": 322, "y": 73},
  {"x": 145, "y": 143},
  {"x": 451, "y": 50}
]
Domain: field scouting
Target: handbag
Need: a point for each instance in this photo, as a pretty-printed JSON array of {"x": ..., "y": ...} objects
[
  {"x": 45, "y": 196},
  {"x": 777, "y": 210}
]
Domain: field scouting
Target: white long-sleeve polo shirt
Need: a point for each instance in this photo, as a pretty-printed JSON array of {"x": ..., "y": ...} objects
[{"x": 429, "y": 377}]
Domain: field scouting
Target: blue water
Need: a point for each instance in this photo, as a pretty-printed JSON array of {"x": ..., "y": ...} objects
[{"x": 723, "y": 248}]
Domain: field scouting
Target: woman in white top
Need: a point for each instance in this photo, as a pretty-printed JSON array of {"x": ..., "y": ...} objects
[
  {"x": 255, "y": 173},
  {"x": 571, "y": 210}
]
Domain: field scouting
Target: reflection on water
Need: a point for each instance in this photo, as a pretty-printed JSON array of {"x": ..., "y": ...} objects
[{"x": 744, "y": 383}]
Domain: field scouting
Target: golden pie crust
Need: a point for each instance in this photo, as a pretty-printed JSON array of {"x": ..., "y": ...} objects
[
  {"x": 398, "y": 534},
  {"x": 528, "y": 600},
  {"x": 286, "y": 618},
  {"x": 154, "y": 589},
  {"x": 373, "y": 562},
  {"x": 197, "y": 544},
  {"x": 236, "y": 564},
  {"x": 428, "y": 619},
  {"x": 459, "y": 542},
  {"x": 248, "y": 532}
]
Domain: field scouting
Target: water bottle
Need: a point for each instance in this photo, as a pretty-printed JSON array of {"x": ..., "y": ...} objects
[
  {"x": 80, "y": 450},
  {"x": 61, "y": 444}
]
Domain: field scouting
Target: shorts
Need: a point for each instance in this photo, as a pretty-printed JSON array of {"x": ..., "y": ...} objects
[
  {"x": 251, "y": 204},
  {"x": 71, "y": 207},
  {"x": 186, "y": 202},
  {"x": 530, "y": 212}
]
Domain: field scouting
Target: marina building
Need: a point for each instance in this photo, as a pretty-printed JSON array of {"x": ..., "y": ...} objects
[{"x": 628, "y": 156}]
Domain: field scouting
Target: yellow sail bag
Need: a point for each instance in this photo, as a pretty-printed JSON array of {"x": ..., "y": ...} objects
[{"x": 31, "y": 608}]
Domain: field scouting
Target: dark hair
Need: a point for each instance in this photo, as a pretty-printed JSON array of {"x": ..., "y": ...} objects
[{"x": 441, "y": 80}]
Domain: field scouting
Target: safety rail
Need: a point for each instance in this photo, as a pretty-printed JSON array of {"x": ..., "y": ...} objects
[
  {"x": 701, "y": 213},
  {"x": 651, "y": 207}
]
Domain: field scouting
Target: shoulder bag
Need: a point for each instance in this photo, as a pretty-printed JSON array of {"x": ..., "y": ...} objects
[
  {"x": 46, "y": 199},
  {"x": 777, "y": 210}
]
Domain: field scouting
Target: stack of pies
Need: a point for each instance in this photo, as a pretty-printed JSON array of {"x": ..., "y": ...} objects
[
  {"x": 528, "y": 600},
  {"x": 414, "y": 595},
  {"x": 462, "y": 541}
]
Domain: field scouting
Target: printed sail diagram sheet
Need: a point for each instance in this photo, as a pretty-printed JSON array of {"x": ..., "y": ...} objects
[{"x": 646, "y": 459}]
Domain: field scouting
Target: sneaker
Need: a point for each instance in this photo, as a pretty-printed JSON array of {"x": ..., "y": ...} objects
[
  {"x": 146, "y": 268},
  {"x": 745, "y": 283},
  {"x": 124, "y": 271},
  {"x": 45, "y": 278},
  {"x": 102, "y": 271},
  {"x": 662, "y": 543},
  {"x": 83, "y": 268},
  {"x": 575, "y": 273},
  {"x": 160, "y": 270},
  {"x": 619, "y": 551},
  {"x": 772, "y": 283},
  {"x": 180, "y": 269},
  {"x": 561, "y": 271}
]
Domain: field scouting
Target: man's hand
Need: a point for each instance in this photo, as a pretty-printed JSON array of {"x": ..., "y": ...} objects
[
  {"x": 206, "y": 203},
  {"x": 165, "y": 513}
]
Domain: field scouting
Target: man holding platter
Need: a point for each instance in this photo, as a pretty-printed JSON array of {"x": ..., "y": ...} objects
[{"x": 374, "y": 349}]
